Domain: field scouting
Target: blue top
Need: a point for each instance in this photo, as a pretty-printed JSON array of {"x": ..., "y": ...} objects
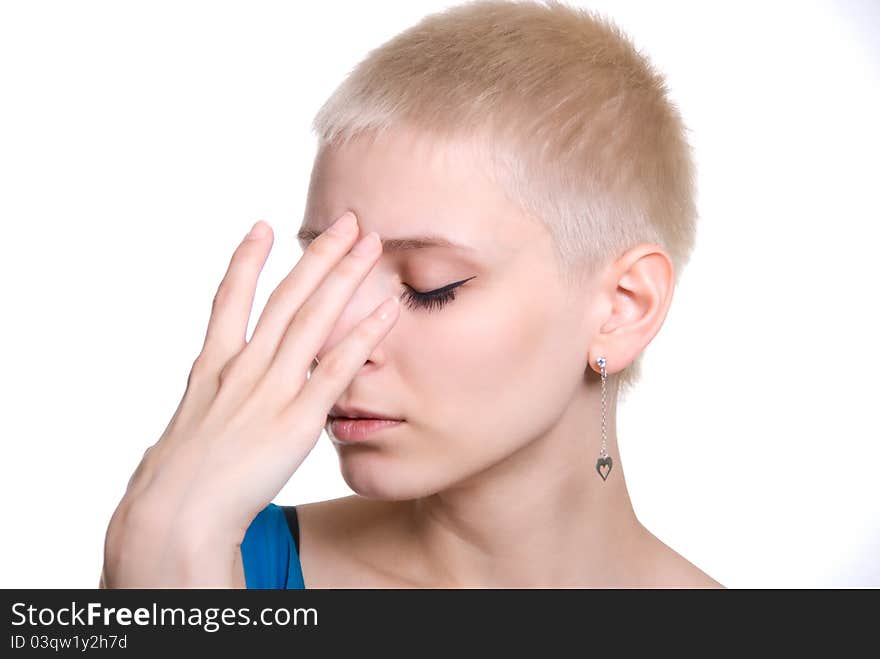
[{"x": 268, "y": 552}]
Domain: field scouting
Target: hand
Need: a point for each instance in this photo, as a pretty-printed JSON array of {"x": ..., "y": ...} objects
[{"x": 249, "y": 415}]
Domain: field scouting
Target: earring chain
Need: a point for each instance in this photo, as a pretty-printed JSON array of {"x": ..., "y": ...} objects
[{"x": 604, "y": 451}]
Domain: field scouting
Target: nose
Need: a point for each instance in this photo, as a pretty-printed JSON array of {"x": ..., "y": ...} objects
[{"x": 369, "y": 295}]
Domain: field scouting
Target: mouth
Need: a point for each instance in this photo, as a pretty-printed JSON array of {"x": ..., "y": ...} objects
[
  {"x": 348, "y": 429},
  {"x": 330, "y": 417}
]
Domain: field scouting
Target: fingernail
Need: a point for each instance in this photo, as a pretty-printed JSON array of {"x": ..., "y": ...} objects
[
  {"x": 344, "y": 226},
  {"x": 367, "y": 244},
  {"x": 387, "y": 307},
  {"x": 259, "y": 230}
]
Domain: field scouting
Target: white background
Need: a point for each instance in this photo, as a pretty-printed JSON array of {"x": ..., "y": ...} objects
[{"x": 140, "y": 141}]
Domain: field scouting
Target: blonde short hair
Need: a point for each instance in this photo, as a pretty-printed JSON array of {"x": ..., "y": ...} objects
[{"x": 574, "y": 121}]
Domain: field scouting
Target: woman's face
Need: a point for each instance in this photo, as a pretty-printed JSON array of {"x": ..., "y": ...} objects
[{"x": 476, "y": 378}]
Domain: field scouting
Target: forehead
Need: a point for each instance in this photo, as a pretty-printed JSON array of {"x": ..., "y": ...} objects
[{"x": 403, "y": 184}]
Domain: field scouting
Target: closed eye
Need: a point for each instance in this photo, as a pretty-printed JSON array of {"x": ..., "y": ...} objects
[{"x": 431, "y": 300}]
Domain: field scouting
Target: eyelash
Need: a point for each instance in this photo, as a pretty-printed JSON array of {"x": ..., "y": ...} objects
[{"x": 433, "y": 299}]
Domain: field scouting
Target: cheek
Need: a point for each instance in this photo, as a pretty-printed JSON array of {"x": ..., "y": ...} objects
[{"x": 486, "y": 359}]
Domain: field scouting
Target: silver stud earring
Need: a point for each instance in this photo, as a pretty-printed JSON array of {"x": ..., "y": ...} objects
[{"x": 604, "y": 459}]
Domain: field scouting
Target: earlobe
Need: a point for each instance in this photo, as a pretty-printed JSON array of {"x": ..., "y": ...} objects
[{"x": 597, "y": 363}]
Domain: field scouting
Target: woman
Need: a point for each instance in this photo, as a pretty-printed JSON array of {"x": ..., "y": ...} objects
[{"x": 533, "y": 191}]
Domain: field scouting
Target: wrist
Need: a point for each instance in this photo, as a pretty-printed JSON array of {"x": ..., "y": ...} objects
[{"x": 205, "y": 553}]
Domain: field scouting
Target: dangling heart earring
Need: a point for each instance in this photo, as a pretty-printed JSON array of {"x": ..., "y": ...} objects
[{"x": 604, "y": 459}]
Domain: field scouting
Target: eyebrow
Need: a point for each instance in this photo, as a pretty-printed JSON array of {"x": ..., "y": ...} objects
[{"x": 307, "y": 235}]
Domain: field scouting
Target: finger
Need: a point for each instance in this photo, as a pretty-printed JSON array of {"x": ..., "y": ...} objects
[
  {"x": 231, "y": 309},
  {"x": 320, "y": 257},
  {"x": 338, "y": 368},
  {"x": 312, "y": 324}
]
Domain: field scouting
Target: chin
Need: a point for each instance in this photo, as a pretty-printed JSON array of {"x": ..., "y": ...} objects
[{"x": 367, "y": 478}]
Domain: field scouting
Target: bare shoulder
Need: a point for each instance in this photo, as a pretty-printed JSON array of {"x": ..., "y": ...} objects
[
  {"x": 345, "y": 542},
  {"x": 666, "y": 568},
  {"x": 334, "y": 515}
]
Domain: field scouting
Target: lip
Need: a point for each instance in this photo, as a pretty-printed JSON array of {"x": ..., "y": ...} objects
[
  {"x": 358, "y": 430},
  {"x": 358, "y": 413}
]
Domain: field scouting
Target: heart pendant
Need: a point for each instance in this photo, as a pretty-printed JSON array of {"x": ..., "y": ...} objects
[{"x": 604, "y": 462}]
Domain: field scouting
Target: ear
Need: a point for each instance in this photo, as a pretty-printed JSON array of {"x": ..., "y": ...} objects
[{"x": 638, "y": 288}]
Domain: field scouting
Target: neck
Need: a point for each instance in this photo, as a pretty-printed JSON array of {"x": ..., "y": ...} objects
[{"x": 543, "y": 517}]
